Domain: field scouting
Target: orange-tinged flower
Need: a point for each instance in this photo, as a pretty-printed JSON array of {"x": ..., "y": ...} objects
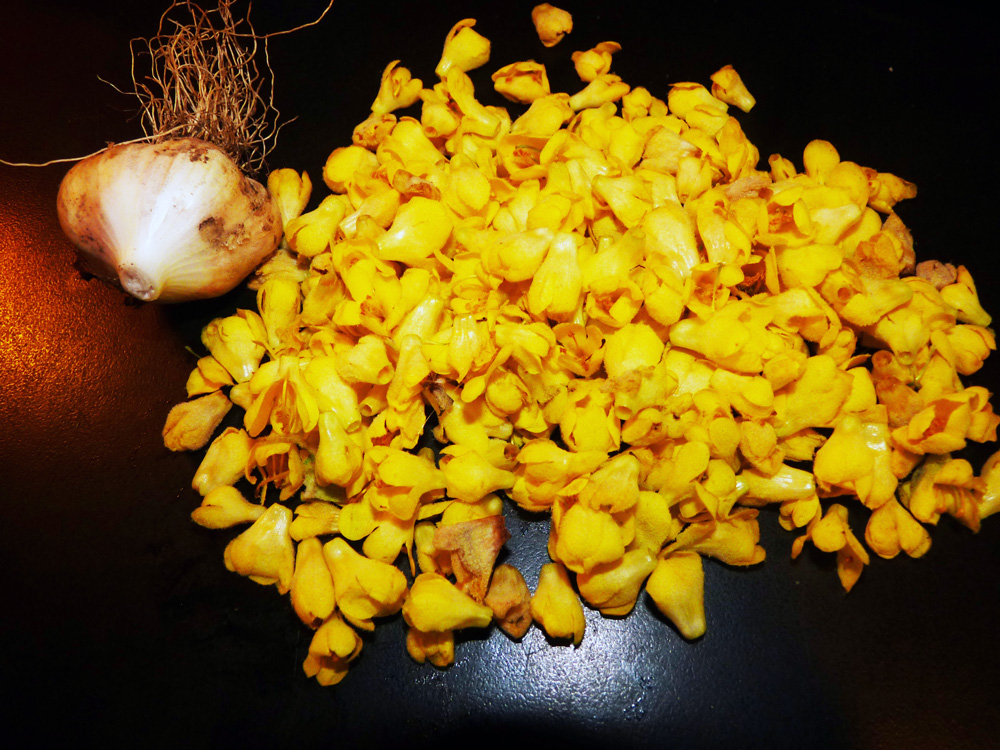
[
  {"x": 551, "y": 23},
  {"x": 279, "y": 462},
  {"x": 191, "y": 424},
  {"x": 470, "y": 476}
]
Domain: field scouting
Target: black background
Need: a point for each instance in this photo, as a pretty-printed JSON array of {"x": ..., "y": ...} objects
[{"x": 119, "y": 621}]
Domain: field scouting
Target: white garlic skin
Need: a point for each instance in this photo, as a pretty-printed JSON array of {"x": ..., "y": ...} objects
[{"x": 170, "y": 221}]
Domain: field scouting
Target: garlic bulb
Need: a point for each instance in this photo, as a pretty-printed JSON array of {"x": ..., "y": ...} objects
[{"x": 169, "y": 221}]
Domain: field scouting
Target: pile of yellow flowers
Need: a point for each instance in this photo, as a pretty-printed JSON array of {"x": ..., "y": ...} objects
[{"x": 608, "y": 315}]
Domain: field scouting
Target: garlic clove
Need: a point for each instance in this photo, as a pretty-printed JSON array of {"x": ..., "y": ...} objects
[{"x": 168, "y": 221}]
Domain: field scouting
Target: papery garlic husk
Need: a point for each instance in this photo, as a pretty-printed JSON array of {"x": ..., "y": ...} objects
[{"x": 170, "y": 221}]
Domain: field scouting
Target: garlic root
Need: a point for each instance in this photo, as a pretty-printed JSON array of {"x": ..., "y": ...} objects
[{"x": 169, "y": 221}]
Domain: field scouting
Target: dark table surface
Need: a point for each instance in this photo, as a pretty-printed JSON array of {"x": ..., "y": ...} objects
[{"x": 120, "y": 623}]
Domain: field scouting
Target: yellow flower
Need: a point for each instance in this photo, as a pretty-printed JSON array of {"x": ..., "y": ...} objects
[
  {"x": 237, "y": 342},
  {"x": 545, "y": 116},
  {"x": 677, "y": 587},
  {"x": 342, "y": 167},
  {"x": 963, "y": 297},
  {"x": 312, "y": 594},
  {"x": 594, "y": 62},
  {"x": 339, "y": 454},
  {"x": 729, "y": 87},
  {"x": 279, "y": 301},
  {"x": 856, "y": 458},
  {"x": 398, "y": 89},
  {"x": 614, "y": 587},
  {"x": 892, "y": 529},
  {"x": 333, "y": 647},
  {"x": 942, "y": 484},
  {"x": 312, "y": 519},
  {"x": 265, "y": 552},
  {"x": 364, "y": 588},
  {"x": 282, "y": 398},
  {"x": 312, "y": 233},
  {"x": 586, "y": 537},
  {"x": 558, "y": 284},
  {"x": 437, "y": 647},
  {"x": 522, "y": 82},
  {"x": 207, "y": 377},
  {"x": 223, "y": 507},
  {"x": 190, "y": 424},
  {"x": 830, "y": 533},
  {"x": 224, "y": 461},
  {"x": 435, "y": 604},
  {"x": 420, "y": 229},
  {"x": 605, "y": 88},
  {"x": 290, "y": 191},
  {"x": 470, "y": 476},
  {"x": 464, "y": 48},
  {"x": 731, "y": 540},
  {"x": 555, "y": 605},
  {"x": 279, "y": 462}
]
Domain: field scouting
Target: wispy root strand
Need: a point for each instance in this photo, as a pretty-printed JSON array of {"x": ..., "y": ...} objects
[{"x": 204, "y": 80}]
